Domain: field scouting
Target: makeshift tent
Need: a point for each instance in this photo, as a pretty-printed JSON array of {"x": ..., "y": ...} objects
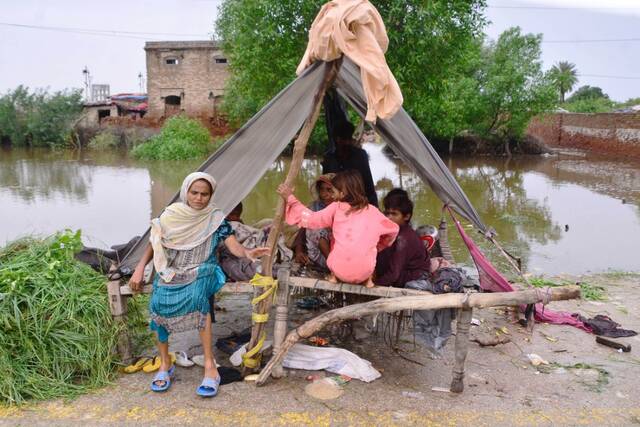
[{"x": 240, "y": 163}]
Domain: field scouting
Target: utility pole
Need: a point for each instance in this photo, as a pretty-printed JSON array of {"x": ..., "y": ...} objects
[
  {"x": 87, "y": 84},
  {"x": 141, "y": 82}
]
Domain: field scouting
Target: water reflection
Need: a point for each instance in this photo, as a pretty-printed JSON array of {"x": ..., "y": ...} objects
[
  {"x": 527, "y": 200},
  {"x": 29, "y": 176}
]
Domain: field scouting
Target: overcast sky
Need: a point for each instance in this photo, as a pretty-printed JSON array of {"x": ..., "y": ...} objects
[{"x": 46, "y": 58}]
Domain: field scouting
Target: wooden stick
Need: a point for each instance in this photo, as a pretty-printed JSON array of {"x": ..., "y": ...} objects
[
  {"x": 462, "y": 347},
  {"x": 299, "y": 148},
  {"x": 281, "y": 324},
  {"x": 347, "y": 288},
  {"x": 427, "y": 302},
  {"x": 229, "y": 288}
]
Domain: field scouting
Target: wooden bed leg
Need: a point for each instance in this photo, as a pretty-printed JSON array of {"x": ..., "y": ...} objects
[
  {"x": 462, "y": 346},
  {"x": 282, "y": 317},
  {"x": 118, "y": 304}
]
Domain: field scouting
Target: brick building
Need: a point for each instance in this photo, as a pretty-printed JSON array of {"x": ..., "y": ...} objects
[{"x": 185, "y": 76}]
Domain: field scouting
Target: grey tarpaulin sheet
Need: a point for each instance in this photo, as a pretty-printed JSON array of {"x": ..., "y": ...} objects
[
  {"x": 408, "y": 142},
  {"x": 240, "y": 163}
]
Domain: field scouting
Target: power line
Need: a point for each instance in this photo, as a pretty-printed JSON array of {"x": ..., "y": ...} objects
[
  {"x": 100, "y": 32},
  {"x": 564, "y": 7},
  {"x": 601, "y": 76},
  {"x": 592, "y": 40}
]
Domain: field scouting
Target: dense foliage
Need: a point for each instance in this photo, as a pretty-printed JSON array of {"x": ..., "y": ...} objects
[
  {"x": 57, "y": 335},
  {"x": 589, "y": 99},
  {"x": 38, "y": 118},
  {"x": 428, "y": 44},
  {"x": 181, "y": 138},
  {"x": 513, "y": 86}
]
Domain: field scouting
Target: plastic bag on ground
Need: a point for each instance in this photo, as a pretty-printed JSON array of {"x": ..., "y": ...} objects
[{"x": 336, "y": 360}]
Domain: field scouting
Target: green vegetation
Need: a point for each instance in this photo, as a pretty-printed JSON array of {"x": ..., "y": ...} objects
[
  {"x": 181, "y": 138},
  {"x": 512, "y": 87},
  {"x": 564, "y": 76},
  {"x": 38, "y": 118},
  {"x": 592, "y": 99},
  {"x": 454, "y": 81},
  {"x": 57, "y": 334},
  {"x": 428, "y": 44},
  {"x": 588, "y": 291},
  {"x": 104, "y": 141}
]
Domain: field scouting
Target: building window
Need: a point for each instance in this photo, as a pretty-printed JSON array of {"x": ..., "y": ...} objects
[
  {"x": 172, "y": 61},
  {"x": 102, "y": 114},
  {"x": 221, "y": 60}
]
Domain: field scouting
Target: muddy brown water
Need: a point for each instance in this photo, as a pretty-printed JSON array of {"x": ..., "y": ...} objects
[{"x": 560, "y": 214}]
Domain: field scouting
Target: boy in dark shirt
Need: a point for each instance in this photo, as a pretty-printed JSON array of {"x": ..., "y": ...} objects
[{"x": 407, "y": 259}]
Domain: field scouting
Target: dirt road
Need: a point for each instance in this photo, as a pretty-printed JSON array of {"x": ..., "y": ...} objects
[{"x": 584, "y": 384}]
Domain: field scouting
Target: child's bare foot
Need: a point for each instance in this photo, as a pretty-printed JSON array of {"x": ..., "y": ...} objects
[
  {"x": 332, "y": 278},
  {"x": 369, "y": 283}
]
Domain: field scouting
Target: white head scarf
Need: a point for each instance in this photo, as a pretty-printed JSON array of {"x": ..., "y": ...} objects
[{"x": 182, "y": 227}]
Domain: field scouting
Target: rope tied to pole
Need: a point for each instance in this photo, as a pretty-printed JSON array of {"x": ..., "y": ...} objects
[{"x": 252, "y": 358}]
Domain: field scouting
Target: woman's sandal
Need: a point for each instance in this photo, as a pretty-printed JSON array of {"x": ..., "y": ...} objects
[
  {"x": 137, "y": 366},
  {"x": 183, "y": 360},
  {"x": 155, "y": 365},
  {"x": 162, "y": 376},
  {"x": 209, "y": 387}
]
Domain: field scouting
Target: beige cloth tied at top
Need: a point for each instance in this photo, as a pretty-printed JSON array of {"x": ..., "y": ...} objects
[{"x": 355, "y": 28}]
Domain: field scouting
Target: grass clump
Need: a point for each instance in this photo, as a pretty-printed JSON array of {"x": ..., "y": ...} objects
[
  {"x": 104, "y": 141},
  {"x": 588, "y": 291},
  {"x": 56, "y": 332},
  {"x": 181, "y": 138}
]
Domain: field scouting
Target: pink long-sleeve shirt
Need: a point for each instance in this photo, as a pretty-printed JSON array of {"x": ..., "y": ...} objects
[{"x": 357, "y": 235}]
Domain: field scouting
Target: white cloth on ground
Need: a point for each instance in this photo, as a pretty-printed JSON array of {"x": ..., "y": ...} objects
[{"x": 336, "y": 360}]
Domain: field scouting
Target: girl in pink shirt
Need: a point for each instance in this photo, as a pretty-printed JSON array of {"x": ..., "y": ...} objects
[{"x": 359, "y": 229}]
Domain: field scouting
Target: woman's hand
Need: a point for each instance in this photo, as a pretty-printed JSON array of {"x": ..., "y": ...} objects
[
  {"x": 136, "y": 281},
  {"x": 285, "y": 191},
  {"x": 256, "y": 253}
]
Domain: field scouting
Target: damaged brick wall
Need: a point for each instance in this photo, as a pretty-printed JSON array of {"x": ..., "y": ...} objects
[{"x": 605, "y": 133}]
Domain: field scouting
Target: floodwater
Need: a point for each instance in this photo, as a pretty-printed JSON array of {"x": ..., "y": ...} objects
[{"x": 560, "y": 214}]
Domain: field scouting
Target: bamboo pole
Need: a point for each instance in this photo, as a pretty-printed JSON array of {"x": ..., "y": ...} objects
[
  {"x": 347, "y": 288},
  {"x": 428, "y": 302},
  {"x": 299, "y": 148}
]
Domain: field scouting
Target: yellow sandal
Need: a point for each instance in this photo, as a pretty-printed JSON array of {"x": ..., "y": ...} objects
[
  {"x": 155, "y": 364},
  {"x": 136, "y": 366}
]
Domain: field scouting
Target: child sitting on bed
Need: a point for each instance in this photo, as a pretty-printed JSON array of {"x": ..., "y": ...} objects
[
  {"x": 407, "y": 259},
  {"x": 312, "y": 247},
  {"x": 359, "y": 229}
]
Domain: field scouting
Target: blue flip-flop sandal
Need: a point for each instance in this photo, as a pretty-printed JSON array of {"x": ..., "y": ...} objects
[
  {"x": 209, "y": 387},
  {"x": 162, "y": 376}
]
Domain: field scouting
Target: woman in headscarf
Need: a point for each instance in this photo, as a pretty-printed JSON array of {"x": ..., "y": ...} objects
[{"x": 183, "y": 247}]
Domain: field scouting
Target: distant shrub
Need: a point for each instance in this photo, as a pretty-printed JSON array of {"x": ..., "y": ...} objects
[
  {"x": 39, "y": 118},
  {"x": 592, "y": 105},
  {"x": 181, "y": 138},
  {"x": 104, "y": 141}
]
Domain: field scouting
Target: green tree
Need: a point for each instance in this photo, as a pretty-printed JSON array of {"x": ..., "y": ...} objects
[
  {"x": 428, "y": 41},
  {"x": 513, "y": 87},
  {"x": 39, "y": 118},
  {"x": 565, "y": 77},
  {"x": 589, "y": 99},
  {"x": 587, "y": 92}
]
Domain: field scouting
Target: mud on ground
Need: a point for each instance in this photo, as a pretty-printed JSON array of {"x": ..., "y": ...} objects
[{"x": 584, "y": 384}]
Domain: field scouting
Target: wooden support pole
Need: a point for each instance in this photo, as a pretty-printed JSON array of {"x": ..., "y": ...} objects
[
  {"x": 427, "y": 302},
  {"x": 118, "y": 305},
  {"x": 461, "y": 349},
  {"x": 299, "y": 149},
  {"x": 280, "y": 326}
]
